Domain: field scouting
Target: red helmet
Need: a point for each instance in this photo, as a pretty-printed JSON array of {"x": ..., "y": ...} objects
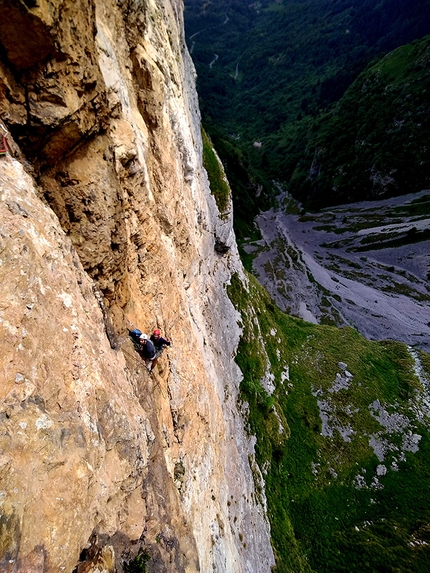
[{"x": 157, "y": 332}]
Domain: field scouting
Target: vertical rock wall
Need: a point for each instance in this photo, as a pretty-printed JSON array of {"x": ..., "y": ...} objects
[{"x": 106, "y": 218}]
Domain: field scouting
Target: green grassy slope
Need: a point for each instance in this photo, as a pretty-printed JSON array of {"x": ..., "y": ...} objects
[{"x": 343, "y": 441}]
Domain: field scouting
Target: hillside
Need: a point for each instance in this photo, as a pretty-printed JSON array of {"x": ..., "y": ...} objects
[
  {"x": 374, "y": 142},
  {"x": 280, "y": 67},
  {"x": 342, "y": 427}
]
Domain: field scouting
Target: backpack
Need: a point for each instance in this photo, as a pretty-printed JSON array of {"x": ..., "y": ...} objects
[{"x": 135, "y": 335}]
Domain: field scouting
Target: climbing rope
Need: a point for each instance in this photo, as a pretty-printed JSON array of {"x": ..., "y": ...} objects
[{"x": 139, "y": 362}]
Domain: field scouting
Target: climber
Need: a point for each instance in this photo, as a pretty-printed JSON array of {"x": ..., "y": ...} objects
[
  {"x": 159, "y": 343},
  {"x": 147, "y": 351},
  {"x": 143, "y": 346},
  {"x": 3, "y": 145}
]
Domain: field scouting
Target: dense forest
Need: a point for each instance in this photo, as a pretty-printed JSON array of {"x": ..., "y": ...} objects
[
  {"x": 270, "y": 73},
  {"x": 374, "y": 142}
]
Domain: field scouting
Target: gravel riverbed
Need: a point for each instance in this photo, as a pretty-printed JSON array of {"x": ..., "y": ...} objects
[{"x": 365, "y": 265}]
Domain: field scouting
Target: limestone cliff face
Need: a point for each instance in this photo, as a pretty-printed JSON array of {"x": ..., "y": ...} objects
[{"x": 106, "y": 218}]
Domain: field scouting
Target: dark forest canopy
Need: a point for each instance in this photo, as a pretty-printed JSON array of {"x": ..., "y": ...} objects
[
  {"x": 374, "y": 142},
  {"x": 282, "y": 66}
]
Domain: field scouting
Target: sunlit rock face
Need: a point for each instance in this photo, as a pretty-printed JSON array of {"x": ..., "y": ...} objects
[{"x": 107, "y": 222}]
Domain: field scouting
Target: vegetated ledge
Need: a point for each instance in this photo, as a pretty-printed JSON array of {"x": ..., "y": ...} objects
[{"x": 217, "y": 179}]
